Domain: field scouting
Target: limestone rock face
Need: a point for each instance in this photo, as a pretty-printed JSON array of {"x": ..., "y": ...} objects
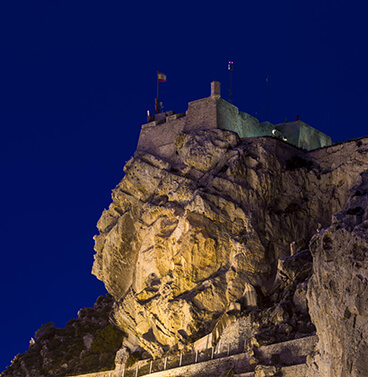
[
  {"x": 87, "y": 344},
  {"x": 184, "y": 239},
  {"x": 337, "y": 293}
]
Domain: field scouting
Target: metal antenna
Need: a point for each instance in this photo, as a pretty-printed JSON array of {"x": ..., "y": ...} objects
[
  {"x": 230, "y": 68},
  {"x": 267, "y": 90}
]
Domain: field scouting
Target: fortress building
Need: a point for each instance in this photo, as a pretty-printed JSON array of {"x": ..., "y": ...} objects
[{"x": 158, "y": 136}]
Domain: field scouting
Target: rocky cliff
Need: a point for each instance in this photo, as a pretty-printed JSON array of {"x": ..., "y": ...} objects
[
  {"x": 337, "y": 291},
  {"x": 188, "y": 239},
  {"x": 229, "y": 244},
  {"x": 87, "y": 344}
]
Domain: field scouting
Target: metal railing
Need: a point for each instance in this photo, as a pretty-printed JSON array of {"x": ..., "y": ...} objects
[
  {"x": 146, "y": 367},
  {"x": 149, "y": 366}
]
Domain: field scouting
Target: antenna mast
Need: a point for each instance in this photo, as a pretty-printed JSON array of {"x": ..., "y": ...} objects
[
  {"x": 267, "y": 89},
  {"x": 230, "y": 68}
]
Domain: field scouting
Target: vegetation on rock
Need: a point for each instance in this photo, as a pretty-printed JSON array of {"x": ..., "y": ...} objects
[{"x": 86, "y": 344}]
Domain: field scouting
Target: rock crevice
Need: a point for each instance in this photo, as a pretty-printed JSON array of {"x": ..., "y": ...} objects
[{"x": 186, "y": 237}]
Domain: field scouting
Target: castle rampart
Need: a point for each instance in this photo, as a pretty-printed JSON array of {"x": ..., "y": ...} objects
[{"x": 158, "y": 136}]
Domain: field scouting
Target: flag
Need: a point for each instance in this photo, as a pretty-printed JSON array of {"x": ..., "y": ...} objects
[{"x": 161, "y": 77}]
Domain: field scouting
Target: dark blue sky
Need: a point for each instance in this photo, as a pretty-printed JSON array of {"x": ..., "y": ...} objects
[{"x": 77, "y": 78}]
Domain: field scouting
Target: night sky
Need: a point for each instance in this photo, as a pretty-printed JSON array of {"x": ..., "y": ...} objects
[{"x": 77, "y": 78}]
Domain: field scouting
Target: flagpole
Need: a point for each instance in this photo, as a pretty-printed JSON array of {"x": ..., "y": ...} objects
[
  {"x": 160, "y": 77},
  {"x": 156, "y": 102}
]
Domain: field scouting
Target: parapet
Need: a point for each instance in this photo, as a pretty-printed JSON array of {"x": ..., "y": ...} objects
[
  {"x": 157, "y": 137},
  {"x": 303, "y": 135}
]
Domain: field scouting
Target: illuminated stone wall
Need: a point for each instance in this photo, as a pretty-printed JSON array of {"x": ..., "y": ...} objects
[
  {"x": 303, "y": 136},
  {"x": 158, "y": 136}
]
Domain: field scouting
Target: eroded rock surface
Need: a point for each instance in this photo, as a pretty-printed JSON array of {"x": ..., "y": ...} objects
[
  {"x": 185, "y": 239},
  {"x": 338, "y": 294},
  {"x": 246, "y": 246},
  {"x": 87, "y": 344}
]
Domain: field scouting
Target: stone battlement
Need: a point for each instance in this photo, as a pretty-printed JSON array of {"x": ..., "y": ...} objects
[{"x": 158, "y": 136}]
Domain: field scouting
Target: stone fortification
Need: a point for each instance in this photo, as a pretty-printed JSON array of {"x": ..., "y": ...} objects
[{"x": 213, "y": 112}]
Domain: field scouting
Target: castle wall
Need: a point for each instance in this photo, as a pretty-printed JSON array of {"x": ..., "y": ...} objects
[
  {"x": 212, "y": 112},
  {"x": 311, "y": 138},
  {"x": 303, "y": 136},
  {"x": 230, "y": 118},
  {"x": 202, "y": 114},
  {"x": 158, "y": 138}
]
